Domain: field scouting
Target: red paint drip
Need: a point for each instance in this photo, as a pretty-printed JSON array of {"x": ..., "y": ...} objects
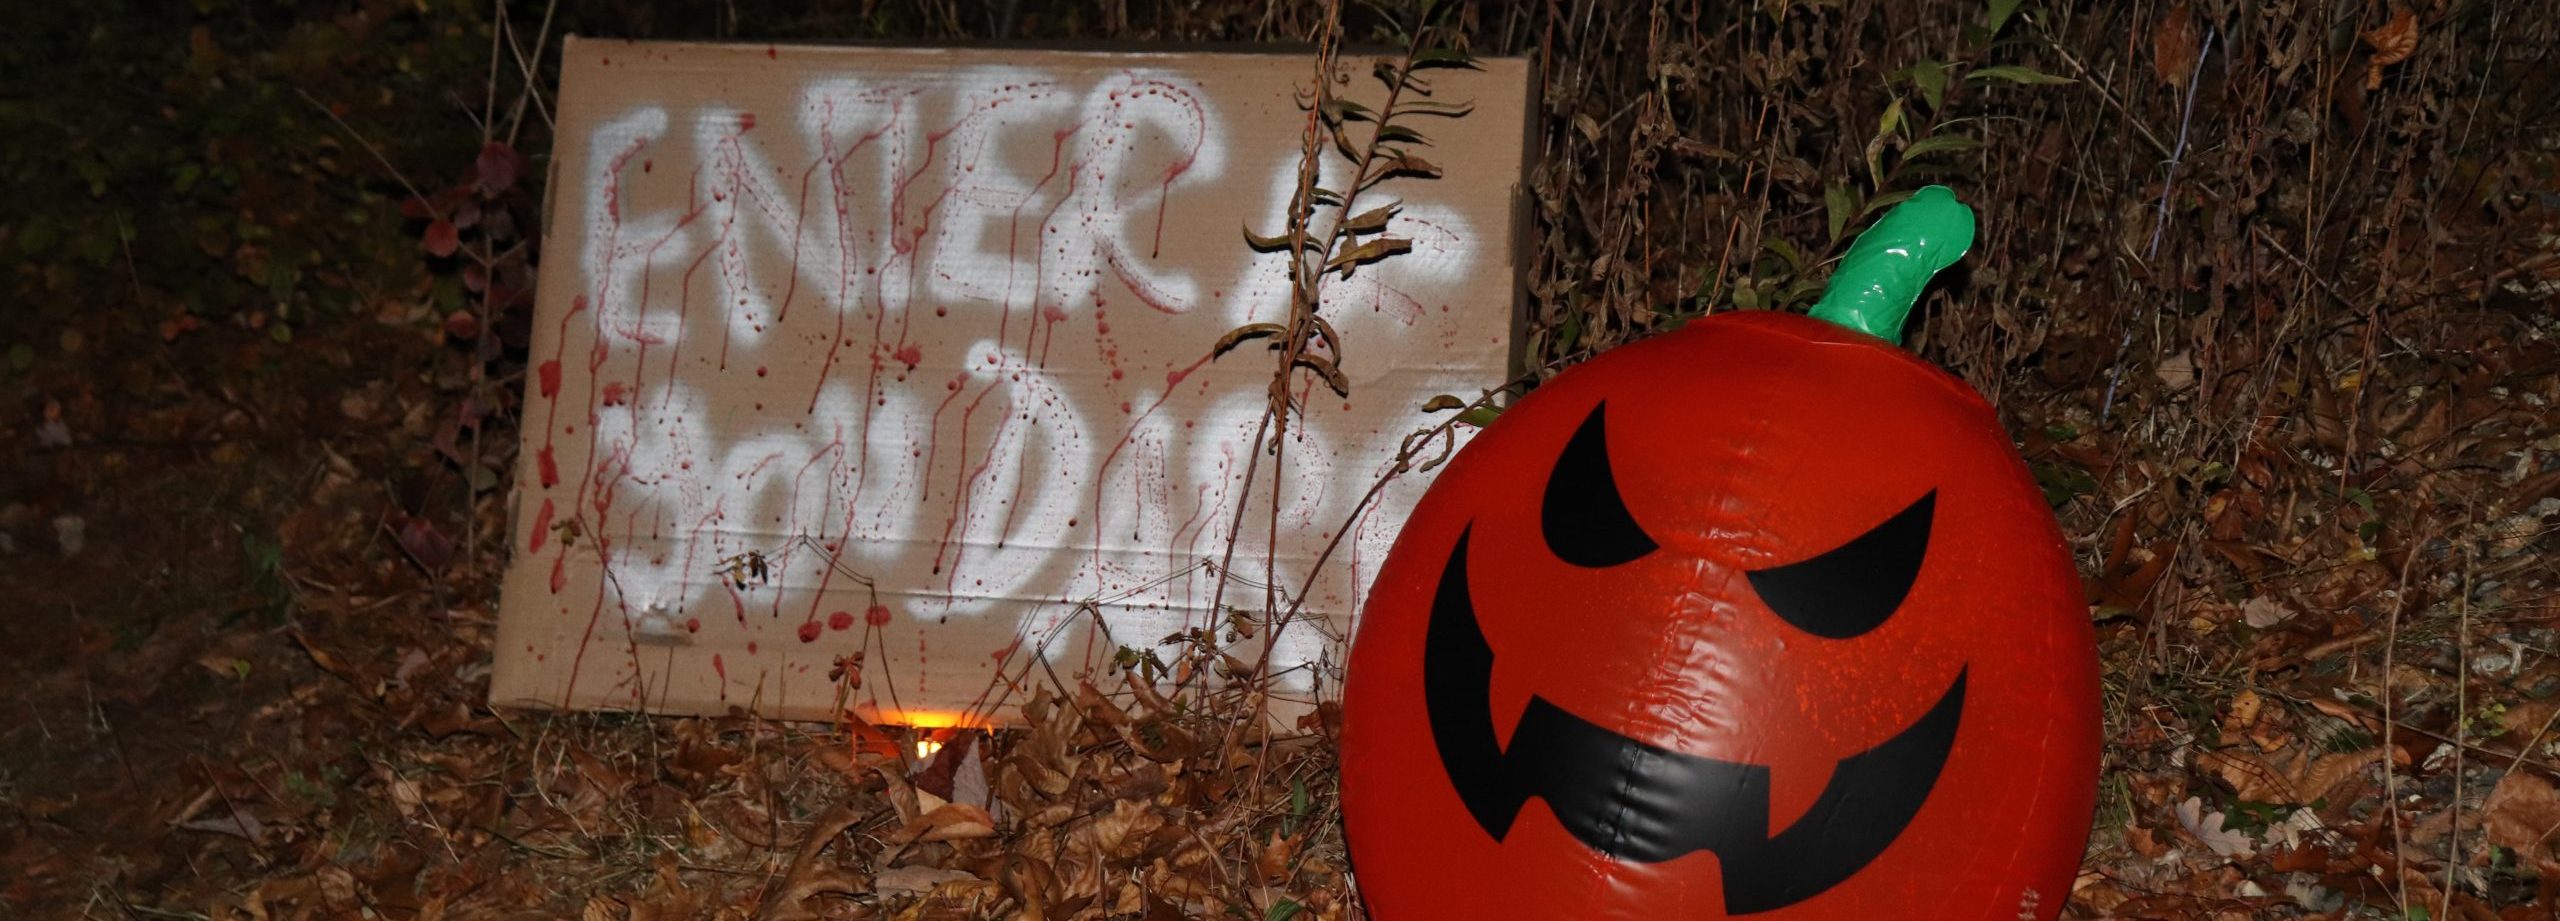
[
  {"x": 559, "y": 573},
  {"x": 840, "y": 621},
  {"x": 693, "y": 625},
  {"x": 604, "y": 497},
  {"x": 809, "y": 631},
  {"x": 911, "y": 356},
  {"x": 746, "y": 121},
  {"x": 541, "y": 527},
  {"x": 550, "y": 371},
  {"x": 965, "y": 478},
  {"x": 1130, "y": 434},
  {"x": 878, "y": 616},
  {"x": 550, "y": 469}
]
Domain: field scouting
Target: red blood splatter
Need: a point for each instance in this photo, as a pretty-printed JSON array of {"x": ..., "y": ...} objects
[
  {"x": 550, "y": 467},
  {"x": 693, "y": 625},
  {"x": 577, "y": 304},
  {"x": 840, "y": 620},
  {"x": 751, "y": 647},
  {"x": 760, "y": 370},
  {"x": 616, "y": 393},
  {"x": 746, "y": 121},
  {"x": 809, "y": 632},
  {"x": 541, "y": 527},
  {"x": 1175, "y": 376},
  {"x": 911, "y": 356},
  {"x": 550, "y": 371},
  {"x": 772, "y": 53},
  {"x": 722, "y": 669},
  {"x": 878, "y": 616},
  {"x": 559, "y": 573}
]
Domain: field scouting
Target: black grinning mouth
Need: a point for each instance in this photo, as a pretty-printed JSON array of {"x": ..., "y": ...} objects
[{"x": 1647, "y": 804}]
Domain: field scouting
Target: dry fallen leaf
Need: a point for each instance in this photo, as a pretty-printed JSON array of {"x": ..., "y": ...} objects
[
  {"x": 2251, "y": 776},
  {"x": 2207, "y": 827},
  {"x": 1272, "y": 861},
  {"x": 2392, "y": 44},
  {"x": 791, "y": 904},
  {"x": 2173, "y": 46},
  {"x": 2331, "y": 778},
  {"x": 2262, "y": 612},
  {"x": 2177, "y": 372},
  {"x": 947, "y": 822},
  {"x": 405, "y": 796},
  {"x": 239, "y": 824},
  {"x": 909, "y": 880},
  {"x": 2245, "y": 707},
  {"x": 2523, "y": 811}
]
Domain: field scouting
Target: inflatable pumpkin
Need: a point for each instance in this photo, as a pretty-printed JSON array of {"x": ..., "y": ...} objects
[{"x": 1759, "y": 618}]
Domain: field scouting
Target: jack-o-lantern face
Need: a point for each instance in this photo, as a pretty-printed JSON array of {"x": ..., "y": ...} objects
[
  {"x": 1761, "y": 618},
  {"x": 1708, "y": 804}
]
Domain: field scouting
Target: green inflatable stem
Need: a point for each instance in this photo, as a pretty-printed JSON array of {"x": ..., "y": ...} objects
[{"x": 1885, "y": 269}]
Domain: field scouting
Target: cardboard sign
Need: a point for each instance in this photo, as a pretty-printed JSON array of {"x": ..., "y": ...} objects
[{"x": 879, "y": 379}]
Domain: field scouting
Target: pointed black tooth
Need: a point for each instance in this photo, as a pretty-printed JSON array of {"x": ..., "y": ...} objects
[{"x": 1457, "y": 677}]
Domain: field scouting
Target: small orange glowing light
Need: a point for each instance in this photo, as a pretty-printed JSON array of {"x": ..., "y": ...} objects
[{"x": 927, "y": 726}]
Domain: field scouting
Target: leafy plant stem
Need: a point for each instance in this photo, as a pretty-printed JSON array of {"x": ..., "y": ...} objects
[
  {"x": 2160, "y": 219},
  {"x": 1307, "y": 281}
]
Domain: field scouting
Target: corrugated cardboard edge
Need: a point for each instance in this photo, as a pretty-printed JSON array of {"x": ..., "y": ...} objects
[{"x": 1524, "y": 220}]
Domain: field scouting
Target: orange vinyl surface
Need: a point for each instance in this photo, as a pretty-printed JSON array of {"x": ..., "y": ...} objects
[{"x": 1742, "y": 443}]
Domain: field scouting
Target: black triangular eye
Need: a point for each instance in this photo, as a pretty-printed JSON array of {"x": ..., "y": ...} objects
[
  {"x": 1585, "y": 520},
  {"x": 1854, "y": 587}
]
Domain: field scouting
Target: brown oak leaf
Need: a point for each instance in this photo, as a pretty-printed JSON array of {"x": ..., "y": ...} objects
[{"x": 2392, "y": 43}]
